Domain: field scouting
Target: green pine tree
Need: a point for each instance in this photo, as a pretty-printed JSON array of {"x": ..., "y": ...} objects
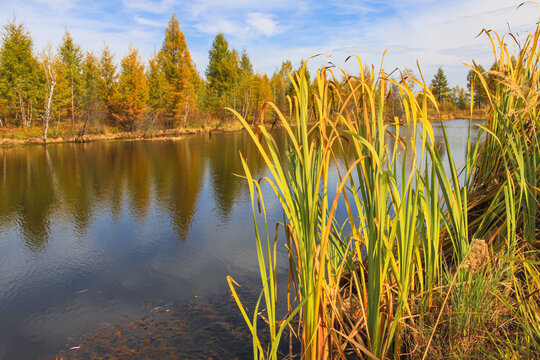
[
  {"x": 245, "y": 84},
  {"x": 156, "y": 90},
  {"x": 90, "y": 85},
  {"x": 108, "y": 84},
  {"x": 221, "y": 74},
  {"x": 71, "y": 72},
  {"x": 474, "y": 82},
  {"x": 459, "y": 98},
  {"x": 439, "y": 86},
  {"x": 21, "y": 78}
]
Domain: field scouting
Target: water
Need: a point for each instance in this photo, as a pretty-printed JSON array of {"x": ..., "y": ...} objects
[{"x": 106, "y": 232}]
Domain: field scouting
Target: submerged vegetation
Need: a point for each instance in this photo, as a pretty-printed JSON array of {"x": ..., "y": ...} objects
[{"x": 433, "y": 260}]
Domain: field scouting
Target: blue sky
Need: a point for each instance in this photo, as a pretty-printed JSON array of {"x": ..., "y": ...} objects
[{"x": 437, "y": 33}]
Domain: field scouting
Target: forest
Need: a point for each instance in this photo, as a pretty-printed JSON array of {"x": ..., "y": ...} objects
[{"x": 65, "y": 90}]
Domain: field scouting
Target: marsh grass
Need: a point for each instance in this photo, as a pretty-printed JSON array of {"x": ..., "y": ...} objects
[{"x": 432, "y": 260}]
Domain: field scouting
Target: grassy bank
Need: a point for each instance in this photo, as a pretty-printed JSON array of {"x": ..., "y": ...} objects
[{"x": 433, "y": 261}]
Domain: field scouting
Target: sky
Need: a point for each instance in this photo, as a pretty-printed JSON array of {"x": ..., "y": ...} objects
[{"x": 434, "y": 32}]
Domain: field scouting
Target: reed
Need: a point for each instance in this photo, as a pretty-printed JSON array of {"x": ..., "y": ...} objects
[{"x": 402, "y": 272}]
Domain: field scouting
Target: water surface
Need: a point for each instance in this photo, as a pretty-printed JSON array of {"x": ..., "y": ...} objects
[{"x": 107, "y": 232}]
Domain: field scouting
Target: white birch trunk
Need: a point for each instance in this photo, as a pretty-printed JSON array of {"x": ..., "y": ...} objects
[{"x": 48, "y": 59}]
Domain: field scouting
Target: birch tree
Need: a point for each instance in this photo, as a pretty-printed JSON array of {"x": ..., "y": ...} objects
[{"x": 49, "y": 65}]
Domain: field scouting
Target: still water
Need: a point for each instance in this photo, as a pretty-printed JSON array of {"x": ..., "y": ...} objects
[{"x": 96, "y": 236}]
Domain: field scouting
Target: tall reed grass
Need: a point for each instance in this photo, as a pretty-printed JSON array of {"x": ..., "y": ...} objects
[{"x": 429, "y": 252}]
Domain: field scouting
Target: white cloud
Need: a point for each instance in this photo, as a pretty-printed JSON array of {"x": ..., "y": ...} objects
[
  {"x": 441, "y": 34},
  {"x": 263, "y": 23},
  {"x": 224, "y": 25},
  {"x": 202, "y": 7},
  {"x": 148, "y": 22},
  {"x": 58, "y": 5}
]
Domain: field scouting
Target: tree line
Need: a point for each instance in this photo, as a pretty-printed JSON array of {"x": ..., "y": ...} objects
[
  {"x": 68, "y": 87},
  {"x": 460, "y": 98}
]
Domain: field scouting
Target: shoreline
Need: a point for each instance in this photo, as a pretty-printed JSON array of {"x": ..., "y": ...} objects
[{"x": 170, "y": 134}]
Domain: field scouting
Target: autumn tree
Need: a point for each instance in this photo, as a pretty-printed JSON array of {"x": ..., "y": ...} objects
[
  {"x": 439, "y": 86},
  {"x": 108, "y": 83},
  {"x": 407, "y": 76},
  {"x": 70, "y": 76},
  {"x": 279, "y": 84},
  {"x": 132, "y": 90},
  {"x": 262, "y": 92},
  {"x": 181, "y": 79},
  {"x": 21, "y": 78}
]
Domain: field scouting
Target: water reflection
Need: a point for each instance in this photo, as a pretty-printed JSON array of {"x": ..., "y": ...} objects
[
  {"x": 225, "y": 167},
  {"x": 95, "y": 232},
  {"x": 70, "y": 182},
  {"x": 19, "y": 204}
]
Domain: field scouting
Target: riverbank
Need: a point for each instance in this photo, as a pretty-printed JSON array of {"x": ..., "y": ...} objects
[
  {"x": 16, "y": 138},
  {"x": 10, "y": 137}
]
